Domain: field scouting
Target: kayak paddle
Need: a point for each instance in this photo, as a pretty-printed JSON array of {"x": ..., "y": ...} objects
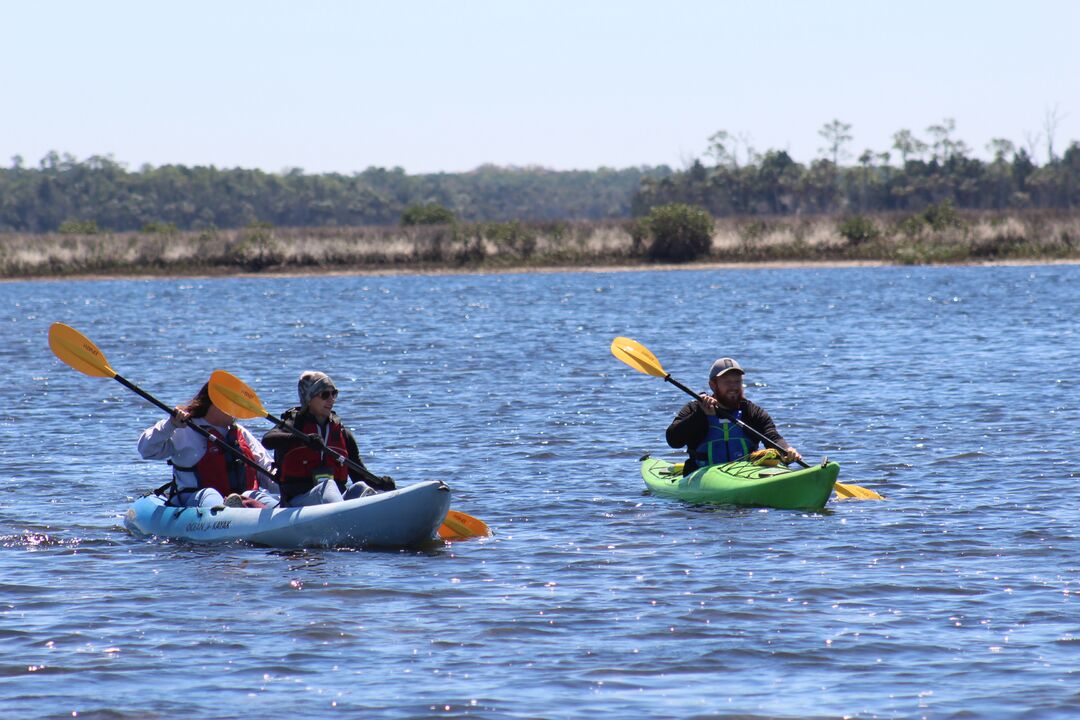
[
  {"x": 236, "y": 398},
  {"x": 76, "y": 350},
  {"x": 641, "y": 359}
]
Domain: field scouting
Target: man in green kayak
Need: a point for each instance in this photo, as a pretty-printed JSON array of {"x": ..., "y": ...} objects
[{"x": 709, "y": 427}]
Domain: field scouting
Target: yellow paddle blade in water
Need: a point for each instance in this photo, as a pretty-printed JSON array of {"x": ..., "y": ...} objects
[
  {"x": 459, "y": 526},
  {"x": 845, "y": 491},
  {"x": 234, "y": 397},
  {"x": 637, "y": 356},
  {"x": 76, "y": 350}
]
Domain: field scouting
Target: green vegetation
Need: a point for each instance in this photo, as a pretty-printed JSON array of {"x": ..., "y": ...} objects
[
  {"x": 735, "y": 180},
  {"x": 937, "y": 204},
  {"x": 99, "y": 190},
  {"x": 427, "y": 214},
  {"x": 941, "y": 216},
  {"x": 929, "y": 174},
  {"x": 907, "y": 238},
  {"x": 78, "y": 227},
  {"x": 859, "y": 229},
  {"x": 160, "y": 228},
  {"x": 675, "y": 232}
]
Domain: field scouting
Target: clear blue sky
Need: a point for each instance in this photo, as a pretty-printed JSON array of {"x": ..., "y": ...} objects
[{"x": 337, "y": 86}]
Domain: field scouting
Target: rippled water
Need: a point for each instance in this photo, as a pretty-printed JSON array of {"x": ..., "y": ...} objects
[{"x": 953, "y": 391}]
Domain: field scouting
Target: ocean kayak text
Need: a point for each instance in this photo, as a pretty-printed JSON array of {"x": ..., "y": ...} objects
[{"x": 200, "y": 526}]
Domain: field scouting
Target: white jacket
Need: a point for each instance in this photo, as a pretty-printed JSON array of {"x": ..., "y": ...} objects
[{"x": 185, "y": 447}]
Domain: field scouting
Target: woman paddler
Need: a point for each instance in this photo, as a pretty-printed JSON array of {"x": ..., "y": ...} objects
[
  {"x": 309, "y": 475},
  {"x": 205, "y": 474}
]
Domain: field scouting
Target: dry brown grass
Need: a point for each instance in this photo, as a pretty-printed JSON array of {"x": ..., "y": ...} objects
[{"x": 975, "y": 237}]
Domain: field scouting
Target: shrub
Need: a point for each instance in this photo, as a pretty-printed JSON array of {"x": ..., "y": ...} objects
[
  {"x": 79, "y": 227},
  {"x": 942, "y": 215},
  {"x": 859, "y": 229},
  {"x": 639, "y": 235},
  {"x": 472, "y": 250},
  {"x": 427, "y": 214},
  {"x": 256, "y": 247},
  {"x": 752, "y": 231},
  {"x": 160, "y": 228},
  {"x": 678, "y": 232},
  {"x": 513, "y": 237},
  {"x": 911, "y": 226}
]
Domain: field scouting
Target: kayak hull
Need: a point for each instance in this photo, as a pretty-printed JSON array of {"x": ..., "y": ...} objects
[
  {"x": 399, "y": 518},
  {"x": 743, "y": 483}
]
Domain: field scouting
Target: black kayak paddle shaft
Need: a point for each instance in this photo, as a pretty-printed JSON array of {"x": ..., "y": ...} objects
[
  {"x": 737, "y": 421},
  {"x": 210, "y": 438}
]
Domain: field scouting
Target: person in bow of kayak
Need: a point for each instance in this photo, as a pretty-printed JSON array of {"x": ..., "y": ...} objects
[
  {"x": 204, "y": 473},
  {"x": 705, "y": 428},
  {"x": 309, "y": 474}
]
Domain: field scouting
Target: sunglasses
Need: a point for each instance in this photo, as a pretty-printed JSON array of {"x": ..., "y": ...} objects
[{"x": 327, "y": 394}]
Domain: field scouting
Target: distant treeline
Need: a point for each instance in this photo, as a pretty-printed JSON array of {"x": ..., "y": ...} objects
[
  {"x": 928, "y": 173},
  {"x": 100, "y": 194}
]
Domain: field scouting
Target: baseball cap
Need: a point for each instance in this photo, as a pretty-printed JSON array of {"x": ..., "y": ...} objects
[{"x": 724, "y": 365}]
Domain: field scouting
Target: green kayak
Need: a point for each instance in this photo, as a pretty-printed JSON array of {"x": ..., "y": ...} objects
[{"x": 743, "y": 483}]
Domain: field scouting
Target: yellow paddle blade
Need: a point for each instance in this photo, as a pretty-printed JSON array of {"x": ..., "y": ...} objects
[
  {"x": 76, "y": 350},
  {"x": 459, "y": 526},
  {"x": 637, "y": 356},
  {"x": 845, "y": 491},
  {"x": 234, "y": 397}
]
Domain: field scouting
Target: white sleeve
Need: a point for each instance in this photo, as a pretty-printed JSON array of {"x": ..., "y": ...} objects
[
  {"x": 156, "y": 441},
  {"x": 165, "y": 441}
]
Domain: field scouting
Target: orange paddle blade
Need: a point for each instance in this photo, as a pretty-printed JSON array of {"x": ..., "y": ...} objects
[
  {"x": 459, "y": 526},
  {"x": 845, "y": 491},
  {"x": 234, "y": 397},
  {"x": 76, "y": 350},
  {"x": 637, "y": 356}
]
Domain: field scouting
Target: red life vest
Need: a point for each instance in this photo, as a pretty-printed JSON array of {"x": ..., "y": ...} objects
[
  {"x": 301, "y": 465},
  {"x": 222, "y": 470}
]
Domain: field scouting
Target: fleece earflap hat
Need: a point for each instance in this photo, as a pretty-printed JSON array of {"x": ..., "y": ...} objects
[{"x": 311, "y": 384}]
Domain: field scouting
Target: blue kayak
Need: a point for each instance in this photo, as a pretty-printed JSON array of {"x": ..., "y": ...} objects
[{"x": 399, "y": 518}]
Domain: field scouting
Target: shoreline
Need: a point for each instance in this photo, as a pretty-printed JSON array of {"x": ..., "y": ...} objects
[
  {"x": 540, "y": 269},
  {"x": 516, "y": 248}
]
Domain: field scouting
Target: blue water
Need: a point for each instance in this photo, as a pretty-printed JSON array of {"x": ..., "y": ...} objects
[{"x": 953, "y": 391}]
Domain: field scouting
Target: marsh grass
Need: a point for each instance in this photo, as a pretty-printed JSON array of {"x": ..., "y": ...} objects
[{"x": 890, "y": 238}]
